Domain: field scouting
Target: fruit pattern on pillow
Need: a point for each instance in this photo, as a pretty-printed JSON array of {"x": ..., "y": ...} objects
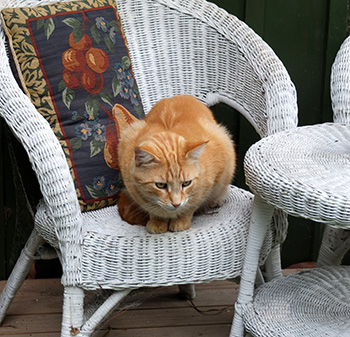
[{"x": 75, "y": 66}]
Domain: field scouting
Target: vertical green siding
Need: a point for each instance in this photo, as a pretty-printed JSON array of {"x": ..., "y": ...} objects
[
  {"x": 2, "y": 209},
  {"x": 305, "y": 35}
]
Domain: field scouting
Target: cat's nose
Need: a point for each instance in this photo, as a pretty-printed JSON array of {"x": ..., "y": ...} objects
[{"x": 176, "y": 205}]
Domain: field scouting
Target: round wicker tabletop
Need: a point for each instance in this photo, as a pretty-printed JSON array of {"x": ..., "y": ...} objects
[
  {"x": 305, "y": 172},
  {"x": 312, "y": 303}
]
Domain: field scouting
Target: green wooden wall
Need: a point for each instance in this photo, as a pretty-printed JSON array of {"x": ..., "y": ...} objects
[{"x": 305, "y": 34}]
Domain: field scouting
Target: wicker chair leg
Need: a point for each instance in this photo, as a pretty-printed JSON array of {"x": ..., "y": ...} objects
[
  {"x": 73, "y": 310},
  {"x": 260, "y": 279},
  {"x": 273, "y": 264},
  {"x": 103, "y": 312},
  {"x": 335, "y": 244},
  {"x": 187, "y": 291},
  {"x": 19, "y": 272},
  {"x": 237, "y": 328},
  {"x": 260, "y": 220}
]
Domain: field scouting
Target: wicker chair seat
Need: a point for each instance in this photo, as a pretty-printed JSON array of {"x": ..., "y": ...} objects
[
  {"x": 313, "y": 303},
  {"x": 117, "y": 255}
]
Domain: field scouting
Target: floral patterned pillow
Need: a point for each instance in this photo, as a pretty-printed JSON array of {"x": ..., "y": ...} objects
[{"x": 73, "y": 63}]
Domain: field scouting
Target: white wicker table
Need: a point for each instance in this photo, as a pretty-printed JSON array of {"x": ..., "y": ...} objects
[{"x": 304, "y": 172}]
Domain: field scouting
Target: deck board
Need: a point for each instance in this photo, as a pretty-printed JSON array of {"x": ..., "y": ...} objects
[{"x": 37, "y": 308}]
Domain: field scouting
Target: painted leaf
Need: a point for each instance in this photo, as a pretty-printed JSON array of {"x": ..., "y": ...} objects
[
  {"x": 68, "y": 96},
  {"x": 106, "y": 97},
  {"x": 139, "y": 111},
  {"x": 78, "y": 34},
  {"x": 40, "y": 23},
  {"x": 72, "y": 22},
  {"x": 96, "y": 147},
  {"x": 76, "y": 143},
  {"x": 94, "y": 192},
  {"x": 95, "y": 34},
  {"x": 114, "y": 24},
  {"x": 49, "y": 27},
  {"x": 109, "y": 44},
  {"x": 116, "y": 85},
  {"x": 126, "y": 62},
  {"x": 61, "y": 86},
  {"x": 92, "y": 106}
]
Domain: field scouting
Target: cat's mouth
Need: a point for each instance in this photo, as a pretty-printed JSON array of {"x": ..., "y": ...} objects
[
  {"x": 175, "y": 208},
  {"x": 172, "y": 208}
]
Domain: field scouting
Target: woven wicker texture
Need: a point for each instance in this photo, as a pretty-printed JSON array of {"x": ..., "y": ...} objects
[
  {"x": 310, "y": 176},
  {"x": 336, "y": 241},
  {"x": 340, "y": 84},
  {"x": 176, "y": 47},
  {"x": 311, "y": 303}
]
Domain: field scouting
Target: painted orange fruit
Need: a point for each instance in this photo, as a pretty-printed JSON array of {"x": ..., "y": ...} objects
[
  {"x": 71, "y": 79},
  {"x": 92, "y": 82},
  {"x": 97, "y": 60},
  {"x": 83, "y": 44},
  {"x": 73, "y": 60}
]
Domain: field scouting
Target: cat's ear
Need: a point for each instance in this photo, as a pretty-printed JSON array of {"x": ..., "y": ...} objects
[
  {"x": 194, "y": 150},
  {"x": 143, "y": 157}
]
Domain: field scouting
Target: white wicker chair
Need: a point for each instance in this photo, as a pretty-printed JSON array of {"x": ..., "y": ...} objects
[
  {"x": 198, "y": 49},
  {"x": 336, "y": 241}
]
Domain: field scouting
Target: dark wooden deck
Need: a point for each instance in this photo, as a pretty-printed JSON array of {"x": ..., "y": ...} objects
[{"x": 36, "y": 312}]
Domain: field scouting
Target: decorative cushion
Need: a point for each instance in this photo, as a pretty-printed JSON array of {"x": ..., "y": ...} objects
[{"x": 73, "y": 62}]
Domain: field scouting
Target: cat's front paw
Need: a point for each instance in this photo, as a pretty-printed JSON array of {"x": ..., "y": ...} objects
[
  {"x": 156, "y": 226},
  {"x": 180, "y": 224}
]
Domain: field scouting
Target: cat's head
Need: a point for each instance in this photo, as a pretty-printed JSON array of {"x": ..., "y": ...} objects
[{"x": 166, "y": 171}]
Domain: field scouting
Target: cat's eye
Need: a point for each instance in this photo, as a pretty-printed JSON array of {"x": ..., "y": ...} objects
[
  {"x": 161, "y": 186},
  {"x": 186, "y": 183}
]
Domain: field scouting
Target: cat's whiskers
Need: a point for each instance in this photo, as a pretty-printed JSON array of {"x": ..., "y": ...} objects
[
  {"x": 153, "y": 207},
  {"x": 165, "y": 206}
]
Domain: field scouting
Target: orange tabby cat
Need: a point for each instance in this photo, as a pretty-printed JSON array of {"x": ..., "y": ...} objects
[{"x": 175, "y": 161}]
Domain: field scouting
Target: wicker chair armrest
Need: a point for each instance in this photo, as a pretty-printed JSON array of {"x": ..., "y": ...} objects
[
  {"x": 340, "y": 84},
  {"x": 46, "y": 156}
]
